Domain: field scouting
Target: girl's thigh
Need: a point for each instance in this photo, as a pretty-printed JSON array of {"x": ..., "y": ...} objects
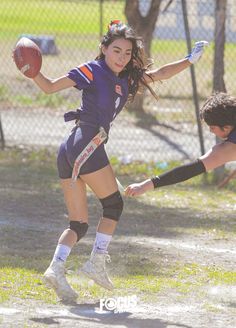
[
  {"x": 75, "y": 199},
  {"x": 102, "y": 182}
]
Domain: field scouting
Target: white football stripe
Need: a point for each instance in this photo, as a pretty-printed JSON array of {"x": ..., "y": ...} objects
[{"x": 25, "y": 68}]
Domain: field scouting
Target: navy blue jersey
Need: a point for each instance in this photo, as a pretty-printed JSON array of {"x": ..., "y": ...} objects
[
  {"x": 232, "y": 136},
  {"x": 104, "y": 94}
]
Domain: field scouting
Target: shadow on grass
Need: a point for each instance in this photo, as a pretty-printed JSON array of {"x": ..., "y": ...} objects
[
  {"x": 40, "y": 218},
  {"x": 31, "y": 224},
  {"x": 148, "y": 121},
  {"x": 87, "y": 314}
]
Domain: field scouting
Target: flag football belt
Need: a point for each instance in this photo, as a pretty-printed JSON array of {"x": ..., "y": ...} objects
[{"x": 99, "y": 138}]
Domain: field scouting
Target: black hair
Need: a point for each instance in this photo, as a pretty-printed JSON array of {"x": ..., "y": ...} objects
[
  {"x": 137, "y": 65},
  {"x": 219, "y": 109}
]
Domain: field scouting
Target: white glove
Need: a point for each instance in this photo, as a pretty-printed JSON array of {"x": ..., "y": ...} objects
[{"x": 197, "y": 51}]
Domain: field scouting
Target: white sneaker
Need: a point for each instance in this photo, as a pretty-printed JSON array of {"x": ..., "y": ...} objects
[
  {"x": 95, "y": 269},
  {"x": 54, "y": 277}
]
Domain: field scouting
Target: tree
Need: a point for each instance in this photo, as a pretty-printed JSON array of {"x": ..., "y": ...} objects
[
  {"x": 144, "y": 25},
  {"x": 218, "y": 67}
]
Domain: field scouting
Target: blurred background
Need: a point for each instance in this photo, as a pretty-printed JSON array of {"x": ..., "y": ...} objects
[{"x": 68, "y": 33}]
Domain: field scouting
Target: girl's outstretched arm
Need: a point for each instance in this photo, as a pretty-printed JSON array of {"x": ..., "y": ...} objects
[
  {"x": 167, "y": 71},
  {"x": 48, "y": 85}
]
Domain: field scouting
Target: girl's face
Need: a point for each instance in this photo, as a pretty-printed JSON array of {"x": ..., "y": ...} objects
[
  {"x": 221, "y": 132},
  {"x": 118, "y": 54}
]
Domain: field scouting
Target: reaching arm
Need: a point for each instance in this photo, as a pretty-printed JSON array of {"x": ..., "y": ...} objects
[
  {"x": 178, "y": 174},
  {"x": 167, "y": 71},
  {"x": 53, "y": 85},
  {"x": 220, "y": 154}
]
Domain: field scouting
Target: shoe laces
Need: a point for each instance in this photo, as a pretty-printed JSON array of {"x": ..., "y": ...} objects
[{"x": 107, "y": 258}]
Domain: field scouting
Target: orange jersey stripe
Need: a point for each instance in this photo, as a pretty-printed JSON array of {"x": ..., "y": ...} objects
[{"x": 87, "y": 72}]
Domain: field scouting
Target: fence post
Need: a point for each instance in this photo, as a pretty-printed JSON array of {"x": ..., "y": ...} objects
[
  {"x": 2, "y": 135},
  {"x": 101, "y": 17},
  {"x": 193, "y": 77}
]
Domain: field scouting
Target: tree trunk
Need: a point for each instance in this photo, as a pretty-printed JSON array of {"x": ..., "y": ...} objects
[
  {"x": 218, "y": 70},
  {"x": 144, "y": 26},
  {"x": 218, "y": 73}
]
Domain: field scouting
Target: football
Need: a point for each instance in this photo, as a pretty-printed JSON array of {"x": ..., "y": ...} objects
[{"x": 27, "y": 57}]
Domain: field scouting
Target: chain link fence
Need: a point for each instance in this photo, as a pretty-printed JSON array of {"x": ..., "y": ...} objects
[{"x": 69, "y": 33}]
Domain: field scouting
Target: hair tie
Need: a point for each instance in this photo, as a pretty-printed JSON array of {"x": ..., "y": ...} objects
[{"x": 114, "y": 24}]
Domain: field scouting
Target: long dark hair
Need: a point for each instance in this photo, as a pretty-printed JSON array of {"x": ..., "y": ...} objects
[{"x": 137, "y": 65}]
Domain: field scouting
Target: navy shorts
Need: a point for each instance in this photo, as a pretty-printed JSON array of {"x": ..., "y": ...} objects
[{"x": 73, "y": 145}]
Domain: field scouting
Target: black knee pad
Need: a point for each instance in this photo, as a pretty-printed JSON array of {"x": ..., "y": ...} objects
[
  {"x": 112, "y": 206},
  {"x": 80, "y": 228}
]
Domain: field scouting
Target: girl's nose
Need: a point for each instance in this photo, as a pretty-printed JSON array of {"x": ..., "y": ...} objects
[{"x": 122, "y": 57}]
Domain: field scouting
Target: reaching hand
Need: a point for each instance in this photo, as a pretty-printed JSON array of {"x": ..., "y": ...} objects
[
  {"x": 137, "y": 189},
  {"x": 134, "y": 189},
  {"x": 197, "y": 51}
]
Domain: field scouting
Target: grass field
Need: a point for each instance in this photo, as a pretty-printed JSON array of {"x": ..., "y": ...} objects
[
  {"x": 76, "y": 28},
  {"x": 31, "y": 219},
  {"x": 62, "y": 17},
  {"x": 171, "y": 245}
]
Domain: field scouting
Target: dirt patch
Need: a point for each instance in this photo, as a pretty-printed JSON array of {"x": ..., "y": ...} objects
[
  {"x": 33, "y": 215},
  {"x": 168, "y": 313}
]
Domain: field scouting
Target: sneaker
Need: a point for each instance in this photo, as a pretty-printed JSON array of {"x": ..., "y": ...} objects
[
  {"x": 54, "y": 277},
  {"x": 95, "y": 269}
]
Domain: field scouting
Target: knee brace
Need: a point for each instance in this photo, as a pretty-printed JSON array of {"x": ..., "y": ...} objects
[
  {"x": 112, "y": 206},
  {"x": 80, "y": 228}
]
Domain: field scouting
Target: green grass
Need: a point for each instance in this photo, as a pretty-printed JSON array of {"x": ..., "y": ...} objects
[
  {"x": 197, "y": 208},
  {"x": 55, "y": 16},
  {"x": 22, "y": 282},
  {"x": 76, "y": 27},
  {"x": 142, "y": 170},
  {"x": 40, "y": 100}
]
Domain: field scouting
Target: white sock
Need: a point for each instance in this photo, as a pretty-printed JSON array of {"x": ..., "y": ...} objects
[
  {"x": 61, "y": 253},
  {"x": 101, "y": 243}
]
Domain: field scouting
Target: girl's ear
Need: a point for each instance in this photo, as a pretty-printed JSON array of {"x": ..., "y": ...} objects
[
  {"x": 103, "y": 49},
  {"x": 228, "y": 128}
]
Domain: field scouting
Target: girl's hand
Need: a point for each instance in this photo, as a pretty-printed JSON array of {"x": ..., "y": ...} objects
[
  {"x": 137, "y": 189},
  {"x": 197, "y": 51}
]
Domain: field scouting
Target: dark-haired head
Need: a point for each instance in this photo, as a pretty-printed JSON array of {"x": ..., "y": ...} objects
[
  {"x": 118, "y": 30},
  {"x": 138, "y": 63},
  {"x": 219, "y": 109}
]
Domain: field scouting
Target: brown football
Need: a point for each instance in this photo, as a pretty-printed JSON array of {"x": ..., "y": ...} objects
[{"x": 27, "y": 57}]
